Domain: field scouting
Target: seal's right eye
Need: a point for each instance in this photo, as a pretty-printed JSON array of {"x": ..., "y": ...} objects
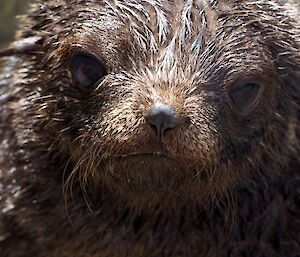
[{"x": 87, "y": 70}]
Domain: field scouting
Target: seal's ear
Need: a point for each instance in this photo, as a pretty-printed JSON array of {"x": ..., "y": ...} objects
[{"x": 23, "y": 46}]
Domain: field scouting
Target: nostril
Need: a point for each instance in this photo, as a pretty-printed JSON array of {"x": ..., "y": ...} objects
[{"x": 162, "y": 118}]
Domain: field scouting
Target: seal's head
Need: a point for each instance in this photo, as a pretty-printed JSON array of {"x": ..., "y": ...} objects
[{"x": 151, "y": 98}]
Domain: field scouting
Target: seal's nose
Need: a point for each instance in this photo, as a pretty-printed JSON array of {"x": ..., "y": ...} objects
[{"x": 162, "y": 118}]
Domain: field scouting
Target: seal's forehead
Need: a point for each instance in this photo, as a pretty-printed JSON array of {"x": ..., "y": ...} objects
[
  {"x": 162, "y": 33},
  {"x": 154, "y": 22},
  {"x": 170, "y": 35}
]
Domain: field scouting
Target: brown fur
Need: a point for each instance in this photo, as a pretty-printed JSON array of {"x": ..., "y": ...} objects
[{"x": 228, "y": 184}]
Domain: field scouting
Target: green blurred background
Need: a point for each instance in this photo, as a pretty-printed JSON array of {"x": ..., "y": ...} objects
[{"x": 8, "y": 22}]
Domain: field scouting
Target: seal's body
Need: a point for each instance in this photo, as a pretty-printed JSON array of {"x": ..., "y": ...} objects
[{"x": 151, "y": 128}]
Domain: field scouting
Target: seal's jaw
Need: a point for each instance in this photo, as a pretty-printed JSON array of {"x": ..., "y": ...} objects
[{"x": 144, "y": 179}]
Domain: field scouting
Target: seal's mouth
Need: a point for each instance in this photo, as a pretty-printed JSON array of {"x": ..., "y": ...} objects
[
  {"x": 145, "y": 171},
  {"x": 142, "y": 176},
  {"x": 147, "y": 156}
]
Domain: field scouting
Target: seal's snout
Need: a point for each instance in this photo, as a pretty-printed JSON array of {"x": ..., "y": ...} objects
[{"x": 162, "y": 117}]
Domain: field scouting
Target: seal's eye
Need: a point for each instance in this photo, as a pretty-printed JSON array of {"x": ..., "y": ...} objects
[
  {"x": 244, "y": 96},
  {"x": 87, "y": 70}
]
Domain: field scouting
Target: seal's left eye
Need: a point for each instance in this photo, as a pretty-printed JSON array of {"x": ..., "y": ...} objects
[
  {"x": 244, "y": 96},
  {"x": 87, "y": 70}
]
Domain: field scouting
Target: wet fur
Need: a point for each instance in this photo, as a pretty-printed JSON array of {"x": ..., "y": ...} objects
[{"x": 234, "y": 187}]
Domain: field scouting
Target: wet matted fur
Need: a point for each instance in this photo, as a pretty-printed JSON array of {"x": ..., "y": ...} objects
[{"x": 86, "y": 175}]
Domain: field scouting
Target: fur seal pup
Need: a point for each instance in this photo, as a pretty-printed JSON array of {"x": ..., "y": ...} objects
[{"x": 150, "y": 128}]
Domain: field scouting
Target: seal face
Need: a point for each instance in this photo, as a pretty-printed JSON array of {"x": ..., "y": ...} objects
[
  {"x": 166, "y": 91},
  {"x": 153, "y": 96},
  {"x": 149, "y": 121}
]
